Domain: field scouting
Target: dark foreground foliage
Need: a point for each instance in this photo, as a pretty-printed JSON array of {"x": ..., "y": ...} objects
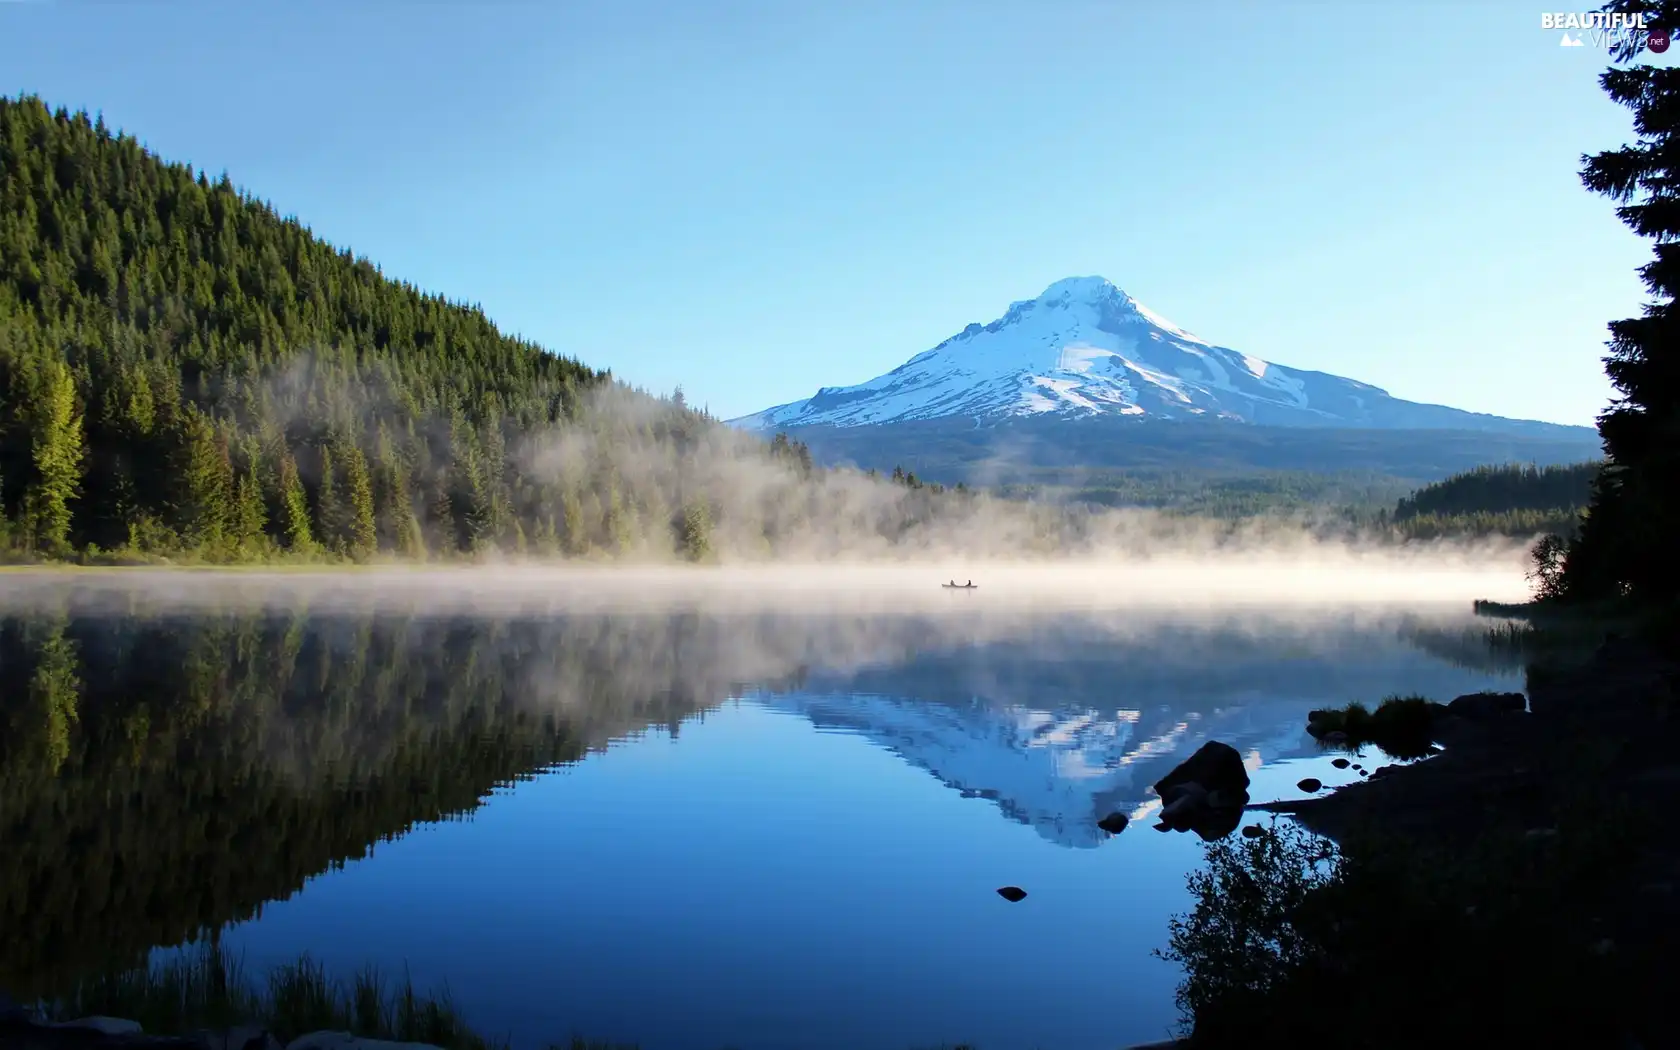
[
  {"x": 1390, "y": 943},
  {"x": 1625, "y": 546}
]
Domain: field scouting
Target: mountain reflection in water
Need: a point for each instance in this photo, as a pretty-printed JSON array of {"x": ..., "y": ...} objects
[{"x": 172, "y": 770}]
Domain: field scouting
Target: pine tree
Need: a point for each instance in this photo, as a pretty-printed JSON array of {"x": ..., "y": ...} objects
[
  {"x": 300, "y": 537},
  {"x": 696, "y": 531},
  {"x": 363, "y": 538},
  {"x": 56, "y": 424},
  {"x": 573, "y": 537},
  {"x": 1626, "y": 543},
  {"x": 205, "y": 484},
  {"x": 250, "y": 516},
  {"x": 329, "y": 507}
]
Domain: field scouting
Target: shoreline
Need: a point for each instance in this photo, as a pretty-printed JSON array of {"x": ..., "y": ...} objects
[
  {"x": 1619, "y": 701},
  {"x": 1599, "y": 744}
]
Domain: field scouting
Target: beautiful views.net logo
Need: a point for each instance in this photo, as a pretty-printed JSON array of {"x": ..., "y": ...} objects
[{"x": 1606, "y": 30}]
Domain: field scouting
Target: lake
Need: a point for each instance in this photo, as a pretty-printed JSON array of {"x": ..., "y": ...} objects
[{"x": 755, "y": 823}]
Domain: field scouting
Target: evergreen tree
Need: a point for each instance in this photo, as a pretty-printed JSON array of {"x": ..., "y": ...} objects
[
  {"x": 1626, "y": 545},
  {"x": 57, "y": 431},
  {"x": 363, "y": 537},
  {"x": 330, "y": 517},
  {"x": 205, "y": 482},
  {"x": 300, "y": 538},
  {"x": 697, "y": 531}
]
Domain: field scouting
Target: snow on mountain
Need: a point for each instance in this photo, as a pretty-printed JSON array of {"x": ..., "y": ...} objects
[
  {"x": 1085, "y": 348},
  {"x": 1058, "y": 730},
  {"x": 1057, "y": 771}
]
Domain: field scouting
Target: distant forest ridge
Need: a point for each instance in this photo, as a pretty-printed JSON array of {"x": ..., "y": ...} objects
[{"x": 1512, "y": 499}]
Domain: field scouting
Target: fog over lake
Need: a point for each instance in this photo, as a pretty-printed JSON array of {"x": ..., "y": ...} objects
[{"x": 689, "y": 809}]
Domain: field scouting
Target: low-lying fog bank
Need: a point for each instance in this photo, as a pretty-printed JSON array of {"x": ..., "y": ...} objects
[{"x": 1326, "y": 576}]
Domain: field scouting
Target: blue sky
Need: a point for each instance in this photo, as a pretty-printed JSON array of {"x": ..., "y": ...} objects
[{"x": 754, "y": 200}]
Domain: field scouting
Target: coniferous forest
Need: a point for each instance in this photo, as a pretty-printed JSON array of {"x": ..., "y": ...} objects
[{"x": 183, "y": 372}]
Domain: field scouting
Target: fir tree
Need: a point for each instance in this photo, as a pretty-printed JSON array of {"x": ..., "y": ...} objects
[
  {"x": 300, "y": 538},
  {"x": 56, "y": 425},
  {"x": 1626, "y": 544},
  {"x": 363, "y": 538}
]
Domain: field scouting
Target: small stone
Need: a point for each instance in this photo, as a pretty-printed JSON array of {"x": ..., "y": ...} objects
[
  {"x": 1008, "y": 893},
  {"x": 1253, "y": 831},
  {"x": 1114, "y": 823},
  {"x": 1310, "y": 784},
  {"x": 1363, "y": 773},
  {"x": 1339, "y": 763}
]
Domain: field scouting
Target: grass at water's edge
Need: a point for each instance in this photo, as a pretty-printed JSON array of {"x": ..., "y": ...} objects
[{"x": 206, "y": 988}]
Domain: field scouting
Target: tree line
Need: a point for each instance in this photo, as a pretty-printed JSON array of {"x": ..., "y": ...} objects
[{"x": 1509, "y": 500}]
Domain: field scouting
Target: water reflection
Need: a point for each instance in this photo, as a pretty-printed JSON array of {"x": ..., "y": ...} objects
[{"x": 169, "y": 771}]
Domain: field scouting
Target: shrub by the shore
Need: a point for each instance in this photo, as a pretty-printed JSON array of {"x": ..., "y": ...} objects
[{"x": 1401, "y": 726}]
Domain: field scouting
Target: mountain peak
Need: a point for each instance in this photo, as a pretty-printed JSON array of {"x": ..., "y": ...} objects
[
  {"x": 1082, "y": 289},
  {"x": 1084, "y": 348}
]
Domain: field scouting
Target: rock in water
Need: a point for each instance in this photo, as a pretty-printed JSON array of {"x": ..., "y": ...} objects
[
  {"x": 1487, "y": 705},
  {"x": 1215, "y": 766},
  {"x": 1310, "y": 784},
  {"x": 1008, "y": 893},
  {"x": 1339, "y": 763},
  {"x": 1114, "y": 823}
]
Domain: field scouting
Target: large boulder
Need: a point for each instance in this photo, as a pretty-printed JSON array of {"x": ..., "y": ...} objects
[
  {"x": 1206, "y": 793},
  {"x": 1476, "y": 706},
  {"x": 1215, "y": 766}
]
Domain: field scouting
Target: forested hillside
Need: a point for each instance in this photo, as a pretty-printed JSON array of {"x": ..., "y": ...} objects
[
  {"x": 185, "y": 372},
  {"x": 1510, "y": 500}
]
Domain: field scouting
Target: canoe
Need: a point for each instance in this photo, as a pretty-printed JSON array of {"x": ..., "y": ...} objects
[{"x": 960, "y": 586}]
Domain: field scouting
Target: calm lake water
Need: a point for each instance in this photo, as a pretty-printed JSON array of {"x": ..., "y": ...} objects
[{"x": 689, "y": 827}]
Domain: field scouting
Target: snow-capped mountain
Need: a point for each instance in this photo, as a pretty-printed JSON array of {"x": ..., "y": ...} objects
[{"x": 1084, "y": 348}]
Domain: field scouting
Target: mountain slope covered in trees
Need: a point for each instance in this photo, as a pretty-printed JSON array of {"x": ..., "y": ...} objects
[
  {"x": 186, "y": 373},
  {"x": 179, "y": 366}
]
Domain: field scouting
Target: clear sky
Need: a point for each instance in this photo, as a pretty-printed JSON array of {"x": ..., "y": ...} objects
[{"x": 754, "y": 200}]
